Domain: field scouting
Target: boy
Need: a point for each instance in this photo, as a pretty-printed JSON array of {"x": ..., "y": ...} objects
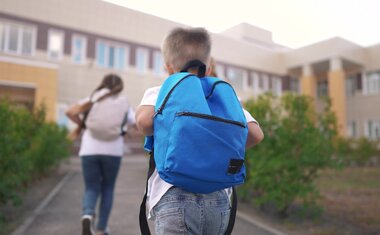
[{"x": 177, "y": 211}]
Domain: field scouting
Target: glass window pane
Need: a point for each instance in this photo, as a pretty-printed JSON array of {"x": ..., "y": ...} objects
[
  {"x": 2, "y": 36},
  {"x": 120, "y": 58},
  {"x": 111, "y": 57},
  {"x": 55, "y": 45},
  {"x": 158, "y": 65},
  {"x": 276, "y": 85},
  {"x": 220, "y": 71},
  {"x": 236, "y": 77},
  {"x": 265, "y": 82},
  {"x": 142, "y": 60},
  {"x": 101, "y": 54},
  {"x": 79, "y": 49},
  {"x": 13, "y": 38},
  {"x": 27, "y": 41}
]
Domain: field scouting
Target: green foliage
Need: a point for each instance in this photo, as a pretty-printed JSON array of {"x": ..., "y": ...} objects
[
  {"x": 297, "y": 144},
  {"x": 356, "y": 151},
  {"x": 29, "y": 148}
]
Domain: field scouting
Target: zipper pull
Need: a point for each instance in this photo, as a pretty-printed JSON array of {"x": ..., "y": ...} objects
[{"x": 159, "y": 111}]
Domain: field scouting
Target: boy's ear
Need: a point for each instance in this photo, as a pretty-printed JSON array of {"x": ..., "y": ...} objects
[
  {"x": 169, "y": 69},
  {"x": 208, "y": 71}
]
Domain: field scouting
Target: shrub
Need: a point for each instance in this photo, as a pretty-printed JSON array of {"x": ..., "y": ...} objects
[
  {"x": 356, "y": 152},
  {"x": 298, "y": 143},
  {"x": 29, "y": 148}
]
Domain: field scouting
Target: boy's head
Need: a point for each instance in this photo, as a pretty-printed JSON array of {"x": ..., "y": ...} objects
[{"x": 182, "y": 45}]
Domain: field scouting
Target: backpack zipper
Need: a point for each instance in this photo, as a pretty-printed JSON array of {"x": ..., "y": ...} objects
[
  {"x": 159, "y": 110},
  {"x": 210, "y": 117}
]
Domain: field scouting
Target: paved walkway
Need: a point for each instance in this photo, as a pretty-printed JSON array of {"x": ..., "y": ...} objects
[{"x": 59, "y": 213}]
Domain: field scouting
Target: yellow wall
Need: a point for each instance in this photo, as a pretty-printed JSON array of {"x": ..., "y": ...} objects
[
  {"x": 337, "y": 94},
  {"x": 44, "y": 79},
  {"x": 309, "y": 86}
]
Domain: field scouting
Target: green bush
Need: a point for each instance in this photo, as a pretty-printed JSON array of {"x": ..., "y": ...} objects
[
  {"x": 298, "y": 143},
  {"x": 364, "y": 150},
  {"x": 29, "y": 148},
  {"x": 356, "y": 152}
]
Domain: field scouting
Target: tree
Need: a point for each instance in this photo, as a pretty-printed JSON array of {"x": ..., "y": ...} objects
[{"x": 298, "y": 144}]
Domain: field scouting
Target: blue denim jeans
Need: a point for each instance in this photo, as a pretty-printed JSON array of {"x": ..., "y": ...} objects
[
  {"x": 99, "y": 174},
  {"x": 181, "y": 212}
]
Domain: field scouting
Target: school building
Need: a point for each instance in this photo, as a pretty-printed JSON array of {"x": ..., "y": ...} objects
[{"x": 56, "y": 52}]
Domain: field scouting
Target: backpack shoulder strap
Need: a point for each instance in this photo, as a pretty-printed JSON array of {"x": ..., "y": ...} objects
[
  {"x": 123, "y": 127},
  {"x": 167, "y": 88}
]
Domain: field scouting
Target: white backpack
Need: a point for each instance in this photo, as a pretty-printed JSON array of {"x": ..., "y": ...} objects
[{"x": 107, "y": 117}]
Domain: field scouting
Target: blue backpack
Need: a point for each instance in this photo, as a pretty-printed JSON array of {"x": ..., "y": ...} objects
[{"x": 200, "y": 133}]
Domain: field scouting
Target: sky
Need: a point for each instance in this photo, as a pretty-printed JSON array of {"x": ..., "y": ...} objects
[{"x": 293, "y": 23}]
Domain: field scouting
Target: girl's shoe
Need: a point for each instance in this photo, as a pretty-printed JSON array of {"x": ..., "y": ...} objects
[{"x": 87, "y": 225}]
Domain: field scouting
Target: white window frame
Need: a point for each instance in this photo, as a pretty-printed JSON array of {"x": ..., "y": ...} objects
[
  {"x": 256, "y": 83},
  {"x": 294, "y": 81},
  {"x": 62, "y": 49},
  {"x": 220, "y": 71},
  {"x": 20, "y": 29},
  {"x": 145, "y": 65},
  {"x": 61, "y": 118},
  {"x": 375, "y": 125},
  {"x": 243, "y": 78},
  {"x": 352, "y": 130},
  {"x": 83, "y": 51},
  {"x": 158, "y": 69},
  {"x": 351, "y": 86},
  {"x": 276, "y": 85},
  {"x": 106, "y": 54},
  {"x": 265, "y": 79},
  {"x": 371, "y": 85},
  {"x": 2, "y": 35}
]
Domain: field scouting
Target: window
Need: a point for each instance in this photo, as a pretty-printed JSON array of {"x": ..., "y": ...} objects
[
  {"x": 142, "y": 59},
  {"x": 62, "y": 119},
  {"x": 219, "y": 69},
  {"x": 351, "y": 129},
  {"x": 294, "y": 85},
  {"x": 2, "y": 36},
  {"x": 264, "y": 82},
  {"x": 372, "y": 83},
  {"x": 79, "y": 49},
  {"x": 351, "y": 85},
  {"x": 237, "y": 77},
  {"x": 255, "y": 81},
  {"x": 120, "y": 58},
  {"x": 110, "y": 55},
  {"x": 276, "y": 85},
  {"x": 158, "y": 64},
  {"x": 322, "y": 89},
  {"x": 13, "y": 38},
  {"x": 17, "y": 39},
  {"x": 373, "y": 129},
  {"x": 55, "y": 45}
]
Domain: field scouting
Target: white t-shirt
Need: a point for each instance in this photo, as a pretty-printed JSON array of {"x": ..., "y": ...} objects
[
  {"x": 92, "y": 146},
  {"x": 156, "y": 186}
]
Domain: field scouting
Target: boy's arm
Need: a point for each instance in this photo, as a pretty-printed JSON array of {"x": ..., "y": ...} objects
[
  {"x": 144, "y": 119},
  {"x": 255, "y": 135}
]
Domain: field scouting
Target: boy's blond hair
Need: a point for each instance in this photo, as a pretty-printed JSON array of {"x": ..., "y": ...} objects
[{"x": 182, "y": 45}]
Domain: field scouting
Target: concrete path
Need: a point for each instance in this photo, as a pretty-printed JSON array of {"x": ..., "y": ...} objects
[{"x": 59, "y": 213}]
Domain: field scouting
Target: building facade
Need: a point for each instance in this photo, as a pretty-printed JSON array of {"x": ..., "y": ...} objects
[{"x": 56, "y": 52}]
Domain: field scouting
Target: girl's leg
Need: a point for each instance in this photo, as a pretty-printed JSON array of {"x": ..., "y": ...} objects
[
  {"x": 92, "y": 181},
  {"x": 109, "y": 170}
]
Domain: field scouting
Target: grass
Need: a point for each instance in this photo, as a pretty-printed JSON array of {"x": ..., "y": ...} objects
[{"x": 352, "y": 195}]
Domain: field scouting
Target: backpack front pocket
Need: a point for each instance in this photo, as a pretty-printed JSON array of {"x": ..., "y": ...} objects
[{"x": 201, "y": 148}]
